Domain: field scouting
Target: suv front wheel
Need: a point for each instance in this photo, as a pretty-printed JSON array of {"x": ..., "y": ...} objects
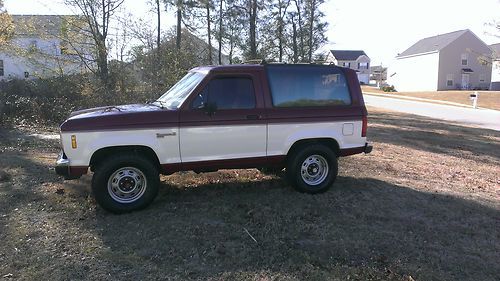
[
  {"x": 312, "y": 168},
  {"x": 125, "y": 183}
]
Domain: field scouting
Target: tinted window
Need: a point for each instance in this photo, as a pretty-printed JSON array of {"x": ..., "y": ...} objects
[
  {"x": 297, "y": 86},
  {"x": 228, "y": 93}
]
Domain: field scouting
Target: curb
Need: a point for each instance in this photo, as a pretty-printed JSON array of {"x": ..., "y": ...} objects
[{"x": 421, "y": 99}]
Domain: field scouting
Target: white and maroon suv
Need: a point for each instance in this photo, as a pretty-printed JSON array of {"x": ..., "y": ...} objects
[{"x": 275, "y": 116}]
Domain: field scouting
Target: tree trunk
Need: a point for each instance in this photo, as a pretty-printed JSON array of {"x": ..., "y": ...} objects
[
  {"x": 311, "y": 27},
  {"x": 158, "y": 35},
  {"x": 209, "y": 32},
  {"x": 231, "y": 47},
  {"x": 295, "y": 47},
  {"x": 220, "y": 32},
  {"x": 179, "y": 21},
  {"x": 157, "y": 66},
  {"x": 280, "y": 33},
  {"x": 102, "y": 65},
  {"x": 253, "y": 29},
  {"x": 301, "y": 33}
]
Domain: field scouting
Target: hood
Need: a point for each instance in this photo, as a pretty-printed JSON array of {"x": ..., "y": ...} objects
[
  {"x": 123, "y": 117},
  {"x": 113, "y": 109}
]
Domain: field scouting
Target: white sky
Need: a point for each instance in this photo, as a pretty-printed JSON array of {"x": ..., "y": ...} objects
[{"x": 382, "y": 28}]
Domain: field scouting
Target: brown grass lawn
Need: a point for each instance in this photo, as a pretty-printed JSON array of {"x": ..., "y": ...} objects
[
  {"x": 425, "y": 205},
  {"x": 487, "y": 99}
]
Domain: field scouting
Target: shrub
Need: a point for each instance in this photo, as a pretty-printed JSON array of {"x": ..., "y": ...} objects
[
  {"x": 388, "y": 89},
  {"x": 49, "y": 101}
]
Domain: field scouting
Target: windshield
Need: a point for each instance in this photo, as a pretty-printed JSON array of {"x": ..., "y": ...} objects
[{"x": 174, "y": 97}]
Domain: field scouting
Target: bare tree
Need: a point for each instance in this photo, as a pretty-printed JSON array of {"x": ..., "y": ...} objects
[
  {"x": 6, "y": 26},
  {"x": 98, "y": 14}
]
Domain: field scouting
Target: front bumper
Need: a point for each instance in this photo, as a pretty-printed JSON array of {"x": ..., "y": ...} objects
[{"x": 64, "y": 169}]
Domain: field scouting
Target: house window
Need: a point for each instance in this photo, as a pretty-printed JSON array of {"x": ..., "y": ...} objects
[
  {"x": 347, "y": 64},
  {"x": 482, "y": 77},
  {"x": 464, "y": 59},
  {"x": 1, "y": 68},
  {"x": 363, "y": 65},
  {"x": 26, "y": 74},
  {"x": 449, "y": 80}
]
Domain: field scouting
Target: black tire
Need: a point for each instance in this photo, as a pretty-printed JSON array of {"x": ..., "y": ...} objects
[
  {"x": 312, "y": 168},
  {"x": 125, "y": 183}
]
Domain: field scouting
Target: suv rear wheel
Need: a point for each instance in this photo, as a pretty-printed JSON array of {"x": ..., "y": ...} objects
[
  {"x": 125, "y": 183},
  {"x": 312, "y": 168}
]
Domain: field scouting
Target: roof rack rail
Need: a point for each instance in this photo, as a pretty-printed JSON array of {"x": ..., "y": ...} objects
[{"x": 255, "y": 61}]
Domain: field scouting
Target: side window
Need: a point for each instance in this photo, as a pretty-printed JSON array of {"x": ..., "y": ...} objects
[
  {"x": 301, "y": 86},
  {"x": 227, "y": 93},
  {"x": 464, "y": 58}
]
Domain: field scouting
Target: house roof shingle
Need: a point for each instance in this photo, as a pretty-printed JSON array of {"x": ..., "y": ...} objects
[
  {"x": 347, "y": 54},
  {"x": 29, "y": 25},
  {"x": 496, "y": 49},
  {"x": 432, "y": 44}
]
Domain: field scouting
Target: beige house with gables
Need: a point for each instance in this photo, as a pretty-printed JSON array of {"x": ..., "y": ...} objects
[
  {"x": 354, "y": 59},
  {"x": 451, "y": 61}
]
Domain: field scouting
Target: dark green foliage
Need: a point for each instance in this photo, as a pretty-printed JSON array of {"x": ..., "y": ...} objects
[
  {"x": 50, "y": 101},
  {"x": 388, "y": 89}
]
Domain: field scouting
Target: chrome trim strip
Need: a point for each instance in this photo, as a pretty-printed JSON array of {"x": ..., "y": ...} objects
[{"x": 171, "y": 134}]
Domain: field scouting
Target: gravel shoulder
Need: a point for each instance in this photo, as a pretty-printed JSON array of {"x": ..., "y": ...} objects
[{"x": 424, "y": 205}]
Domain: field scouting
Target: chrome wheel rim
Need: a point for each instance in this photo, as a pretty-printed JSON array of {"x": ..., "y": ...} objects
[
  {"x": 314, "y": 169},
  {"x": 127, "y": 185}
]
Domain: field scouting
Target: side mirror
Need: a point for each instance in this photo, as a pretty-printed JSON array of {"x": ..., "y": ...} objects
[{"x": 210, "y": 108}]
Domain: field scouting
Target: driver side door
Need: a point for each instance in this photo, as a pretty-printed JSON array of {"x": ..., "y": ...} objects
[{"x": 224, "y": 121}]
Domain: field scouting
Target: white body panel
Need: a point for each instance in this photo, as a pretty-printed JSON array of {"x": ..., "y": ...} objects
[
  {"x": 192, "y": 144},
  {"x": 283, "y": 136},
  {"x": 222, "y": 142},
  {"x": 166, "y": 148}
]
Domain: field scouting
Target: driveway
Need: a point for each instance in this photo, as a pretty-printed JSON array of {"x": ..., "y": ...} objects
[{"x": 484, "y": 118}]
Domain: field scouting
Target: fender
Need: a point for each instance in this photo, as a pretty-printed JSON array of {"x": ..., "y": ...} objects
[{"x": 164, "y": 142}]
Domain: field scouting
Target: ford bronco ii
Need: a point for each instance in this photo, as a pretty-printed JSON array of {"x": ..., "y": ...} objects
[{"x": 296, "y": 117}]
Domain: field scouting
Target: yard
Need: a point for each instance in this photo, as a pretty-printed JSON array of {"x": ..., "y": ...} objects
[
  {"x": 487, "y": 99},
  {"x": 425, "y": 205}
]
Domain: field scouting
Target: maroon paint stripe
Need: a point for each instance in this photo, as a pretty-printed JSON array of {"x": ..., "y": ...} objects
[
  {"x": 78, "y": 170},
  {"x": 129, "y": 118},
  {"x": 240, "y": 163},
  {"x": 352, "y": 151},
  {"x": 313, "y": 119}
]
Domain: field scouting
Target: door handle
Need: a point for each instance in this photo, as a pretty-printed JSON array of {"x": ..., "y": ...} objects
[{"x": 253, "y": 117}]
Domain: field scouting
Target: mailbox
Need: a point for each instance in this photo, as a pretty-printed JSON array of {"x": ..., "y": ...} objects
[{"x": 473, "y": 97}]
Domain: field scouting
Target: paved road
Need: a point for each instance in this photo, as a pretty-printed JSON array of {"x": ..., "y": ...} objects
[{"x": 484, "y": 118}]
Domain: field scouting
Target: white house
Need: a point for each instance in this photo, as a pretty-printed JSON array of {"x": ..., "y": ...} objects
[
  {"x": 353, "y": 59},
  {"x": 41, "y": 47},
  {"x": 495, "y": 72},
  {"x": 455, "y": 60}
]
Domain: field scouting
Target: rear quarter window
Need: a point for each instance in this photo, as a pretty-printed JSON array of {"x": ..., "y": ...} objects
[{"x": 304, "y": 86}]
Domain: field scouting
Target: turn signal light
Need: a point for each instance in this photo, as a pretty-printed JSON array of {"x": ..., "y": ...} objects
[{"x": 73, "y": 141}]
